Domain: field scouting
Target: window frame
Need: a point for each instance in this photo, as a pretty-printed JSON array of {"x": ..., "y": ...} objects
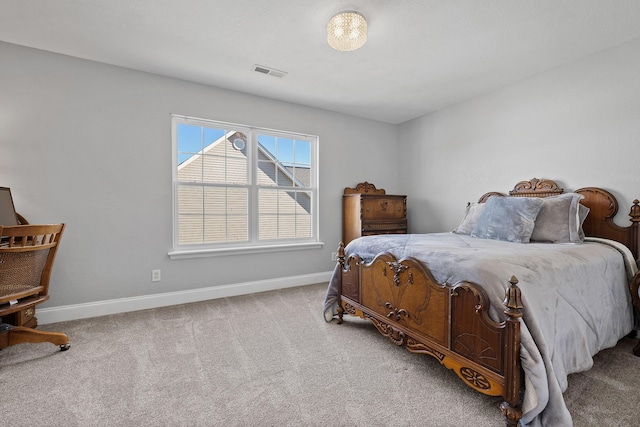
[{"x": 253, "y": 244}]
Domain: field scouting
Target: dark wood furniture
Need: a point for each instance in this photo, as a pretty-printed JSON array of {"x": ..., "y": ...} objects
[
  {"x": 367, "y": 210},
  {"x": 27, "y": 254},
  {"x": 458, "y": 311}
]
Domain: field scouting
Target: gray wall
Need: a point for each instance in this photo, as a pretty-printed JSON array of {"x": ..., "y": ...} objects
[
  {"x": 90, "y": 145},
  {"x": 578, "y": 124}
]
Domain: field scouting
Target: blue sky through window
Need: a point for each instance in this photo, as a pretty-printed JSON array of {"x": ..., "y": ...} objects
[
  {"x": 288, "y": 151},
  {"x": 192, "y": 139}
]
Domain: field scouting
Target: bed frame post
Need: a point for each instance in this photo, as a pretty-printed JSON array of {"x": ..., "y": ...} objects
[
  {"x": 340, "y": 259},
  {"x": 513, "y": 309},
  {"x": 634, "y": 286},
  {"x": 634, "y": 213}
]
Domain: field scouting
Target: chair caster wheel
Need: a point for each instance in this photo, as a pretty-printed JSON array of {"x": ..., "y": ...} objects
[{"x": 65, "y": 347}]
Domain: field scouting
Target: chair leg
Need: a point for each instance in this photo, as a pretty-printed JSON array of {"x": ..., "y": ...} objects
[{"x": 11, "y": 335}]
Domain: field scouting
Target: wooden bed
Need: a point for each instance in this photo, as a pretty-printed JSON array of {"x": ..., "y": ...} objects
[{"x": 459, "y": 311}]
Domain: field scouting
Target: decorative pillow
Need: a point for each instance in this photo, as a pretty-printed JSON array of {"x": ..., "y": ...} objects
[
  {"x": 471, "y": 217},
  {"x": 560, "y": 219},
  {"x": 508, "y": 218},
  {"x": 583, "y": 211}
]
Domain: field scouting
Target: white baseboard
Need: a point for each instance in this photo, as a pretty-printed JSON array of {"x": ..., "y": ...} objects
[{"x": 121, "y": 305}]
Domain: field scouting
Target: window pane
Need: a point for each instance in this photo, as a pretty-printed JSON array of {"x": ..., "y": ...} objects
[
  {"x": 215, "y": 201},
  {"x": 190, "y": 229},
  {"x": 287, "y": 202},
  {"x": 237, "y": 228},
  {"x": 285, "y": 150},
  {"x": 237, "y": 201},
  {"x": 302, "y": 153},
  {"x": 191, "y": 169},
  {"x": 213, "y": 169},
  {"x": 267, "y": 173},
  {"x": 189, "y": 141},
  {"x": 302, "y": 176},
  {"x": 211, "y": 135},
  {"x": 190, "y": 200},
  {"x": 267, "y": 202},
  {"x": 303, "y": 200},
  {"x": 286, "y": 227},
  {"x": 303, "y": 226},
  {"x": 263, "y": 155},
  {"x": 236, "y": 170},
  {"x": 284, "y": 177},
  {"x": 215, "y": 229},
  {"x": 268, "y": 227},
  {"x": 267, "y": 144}
]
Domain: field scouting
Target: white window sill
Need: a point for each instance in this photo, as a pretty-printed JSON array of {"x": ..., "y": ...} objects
[{"x": 203, "y": 253}]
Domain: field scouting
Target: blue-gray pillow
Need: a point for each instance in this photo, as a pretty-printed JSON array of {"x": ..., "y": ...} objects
[{"x": 508, "y": 218}]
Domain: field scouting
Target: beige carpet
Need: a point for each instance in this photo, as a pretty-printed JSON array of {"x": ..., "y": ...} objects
[{"x": 266, "y": 359}]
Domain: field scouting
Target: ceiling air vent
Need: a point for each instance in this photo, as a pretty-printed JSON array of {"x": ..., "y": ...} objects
[{"x": 269, "y": 71}]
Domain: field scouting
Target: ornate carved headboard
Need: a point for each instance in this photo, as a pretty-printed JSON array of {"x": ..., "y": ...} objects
[
  {"x": 602, "y": 205},
  {"x": 533, "y": 188}
]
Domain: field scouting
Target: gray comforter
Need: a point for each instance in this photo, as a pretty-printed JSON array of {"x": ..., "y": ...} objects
[{"x": 576, "y": 300}]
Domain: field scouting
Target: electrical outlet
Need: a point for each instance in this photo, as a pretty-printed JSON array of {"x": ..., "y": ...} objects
[
  {"x": 155, "y": 275},
  {"x": 334, "y": 256}
]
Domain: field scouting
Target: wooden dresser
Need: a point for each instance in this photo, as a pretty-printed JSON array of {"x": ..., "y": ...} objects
[{"x": 367, "y": 210}]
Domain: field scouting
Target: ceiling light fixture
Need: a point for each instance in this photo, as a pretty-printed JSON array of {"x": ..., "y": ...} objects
[{"x": 347, "y": 31}]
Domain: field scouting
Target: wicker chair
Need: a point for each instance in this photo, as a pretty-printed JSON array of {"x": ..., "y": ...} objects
[{"x": 27, "y": 253}]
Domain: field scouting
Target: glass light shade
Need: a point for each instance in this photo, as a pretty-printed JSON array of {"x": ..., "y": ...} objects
[{"x": 347, "y": 31}]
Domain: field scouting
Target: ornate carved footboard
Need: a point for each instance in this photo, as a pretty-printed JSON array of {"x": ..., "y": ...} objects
[{"x": 450, "y": 323}]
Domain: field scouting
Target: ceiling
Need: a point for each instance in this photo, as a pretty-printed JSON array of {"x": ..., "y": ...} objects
[{"x": 421, "y": 55}]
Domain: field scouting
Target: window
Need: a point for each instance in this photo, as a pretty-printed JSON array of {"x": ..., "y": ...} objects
[{"x": 241, "y": 187}]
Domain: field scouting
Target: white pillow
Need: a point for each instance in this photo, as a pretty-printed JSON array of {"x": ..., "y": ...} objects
[
  {"x": 560, "y": 219},
  {"x": 471, "y": 217}
]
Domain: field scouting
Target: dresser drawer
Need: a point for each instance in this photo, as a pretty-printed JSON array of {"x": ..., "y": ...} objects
[
  {"x": 385, "y": 227},
  {"x": 383, "y": 207}
]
